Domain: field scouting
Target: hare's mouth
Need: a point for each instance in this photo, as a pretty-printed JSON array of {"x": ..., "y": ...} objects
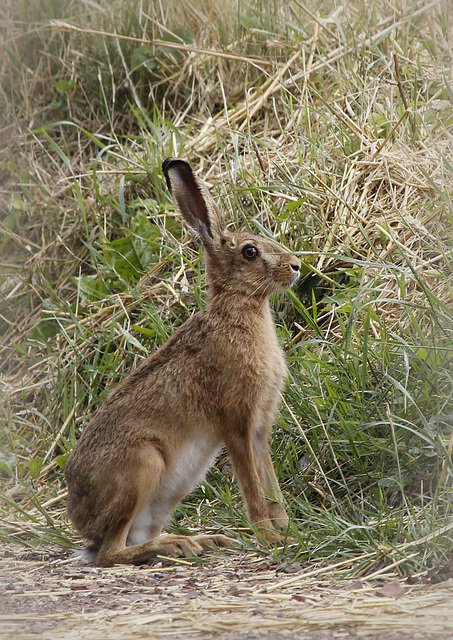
[
  {"x": 294, "y": 277},
  {"x": 283, "y": 285}
]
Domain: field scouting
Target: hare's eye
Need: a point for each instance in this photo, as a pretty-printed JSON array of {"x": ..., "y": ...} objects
[{"x": 250, "y": 252}]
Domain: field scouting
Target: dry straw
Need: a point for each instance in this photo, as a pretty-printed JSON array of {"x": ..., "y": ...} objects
[
  {"x": 219, "y": 597},
  {"x": 381, "y": 204}
]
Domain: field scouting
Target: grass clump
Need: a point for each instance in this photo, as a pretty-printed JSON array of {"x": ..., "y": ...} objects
[{"x": 329, "y": 127}]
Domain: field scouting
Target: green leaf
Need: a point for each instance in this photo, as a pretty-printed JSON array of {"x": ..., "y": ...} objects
[
  {"x": 441, "y": 105},
  {"x": 143, "y": 237},
  {"x": 293, "y": 206},
  {"x": 130, "y": 338},
  {"x": 11, "y": 221},
  {"x": 169, "y": 54},
  {"x": 61, "y": 461},
  {"x": 144, "y": 55},
  {"x": 430, "y": 356},
  {"x": 7, "y": 462},
  {"x": 143, "y": 203},
  {"x": 149, "y": 333},
  {"x": 247, "y": 22},
  {"x": 64, "y": 85},
  {"x": 18, "y": 203},
  {"x": 34, "y": 466},
  {"x": 121, "y": 256},
  {"x": 183, "y": 34},
  {"x": 46, "y": 329},
  {"x": 91, "y": 288}
]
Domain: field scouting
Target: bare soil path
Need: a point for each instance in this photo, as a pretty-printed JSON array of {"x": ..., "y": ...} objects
[{"x": 48, "y": 595}]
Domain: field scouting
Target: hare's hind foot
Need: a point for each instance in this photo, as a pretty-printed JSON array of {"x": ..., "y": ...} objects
[
  {"x": 176, "y": 546},
  {"x": 210, "y": 542},
  {"x": 170, "y": 545}
]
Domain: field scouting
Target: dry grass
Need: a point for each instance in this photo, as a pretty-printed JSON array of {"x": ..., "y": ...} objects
[
  {"x": 331, "y": 127},
  {"x": 218, "y": 597}
]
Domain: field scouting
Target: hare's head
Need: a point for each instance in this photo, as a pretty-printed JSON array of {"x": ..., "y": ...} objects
[{"x": 238, "y": 263}]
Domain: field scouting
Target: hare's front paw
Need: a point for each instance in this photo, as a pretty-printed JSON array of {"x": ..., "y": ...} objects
[{"x": 278, "y": 516}]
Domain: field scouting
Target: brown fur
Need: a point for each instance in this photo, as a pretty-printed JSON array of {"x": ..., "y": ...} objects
[{"x": 216, "y": 381}]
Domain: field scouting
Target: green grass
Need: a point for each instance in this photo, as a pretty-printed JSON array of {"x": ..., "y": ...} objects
[{"x": 97, "y": 271}]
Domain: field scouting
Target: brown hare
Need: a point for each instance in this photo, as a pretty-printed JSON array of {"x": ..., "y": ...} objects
[{"x": 217, "y": 381}]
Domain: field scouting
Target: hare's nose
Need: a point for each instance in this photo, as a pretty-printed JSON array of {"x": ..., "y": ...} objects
[{"x": 295, "y": 267}]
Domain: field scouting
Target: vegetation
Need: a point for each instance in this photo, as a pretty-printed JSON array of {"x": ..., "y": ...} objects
[{"x": 328, "y": 124}]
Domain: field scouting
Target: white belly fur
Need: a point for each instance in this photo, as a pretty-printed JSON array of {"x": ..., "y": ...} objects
[{"x": 195, "y": 457}]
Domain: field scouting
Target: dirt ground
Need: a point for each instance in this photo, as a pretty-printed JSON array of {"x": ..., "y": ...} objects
[{"x": 238, "y": 596}]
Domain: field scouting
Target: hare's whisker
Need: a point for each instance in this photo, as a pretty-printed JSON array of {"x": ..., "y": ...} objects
[{"x": 265, "y": 280}]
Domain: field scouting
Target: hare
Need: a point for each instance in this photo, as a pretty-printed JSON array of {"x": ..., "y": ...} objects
[{"x": 217, "y": 381}]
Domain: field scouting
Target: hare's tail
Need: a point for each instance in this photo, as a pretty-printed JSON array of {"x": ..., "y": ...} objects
[{"x": 87, "y": 555}]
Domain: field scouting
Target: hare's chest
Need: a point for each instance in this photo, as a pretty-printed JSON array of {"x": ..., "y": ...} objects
[
  {"x": 275, "y": 370},
  {"x": 271, "y": 354},
  {"x": 263, "y": 369}
]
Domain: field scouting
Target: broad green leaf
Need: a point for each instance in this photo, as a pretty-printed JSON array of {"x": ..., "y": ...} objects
[
  {"x": 64, "y": 85},
  {"x": 121, "y": 256},
  {"x": 46, "y": 329},
  {"x": 91, "y": 288},
  {"x": 184, "y": 34},
  {"x": 34, "y": 466},
  {"x": 150, "y": 333},
  {"x": 247, "y": 22},
  {"x": 130, "y": 338},
  {"x": 146, "y": 56},
  {"x": 7, "y": 462},
  {"x": 61, "y": 461},
  {"x": 143, "y": 238}
]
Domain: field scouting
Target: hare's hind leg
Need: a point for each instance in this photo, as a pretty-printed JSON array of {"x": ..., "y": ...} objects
[
  {"x": 130, "y": 490},
  {"x": 159, "y": 487},
  {"x": 113, "y": 551}
]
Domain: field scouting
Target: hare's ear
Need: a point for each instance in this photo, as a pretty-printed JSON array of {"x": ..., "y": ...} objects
[{"x": 194, "y": 202}]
